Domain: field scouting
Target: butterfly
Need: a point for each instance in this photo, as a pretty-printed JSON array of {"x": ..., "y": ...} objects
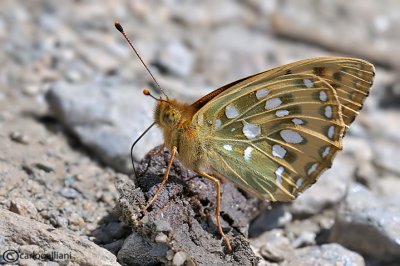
[{"x": 271, "y": 134}]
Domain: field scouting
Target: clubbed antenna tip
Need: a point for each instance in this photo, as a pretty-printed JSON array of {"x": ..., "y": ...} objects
[{"x": 118, "y": 26}]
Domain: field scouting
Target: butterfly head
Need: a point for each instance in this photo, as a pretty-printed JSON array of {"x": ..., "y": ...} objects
[{"x": 167, "y": 113}]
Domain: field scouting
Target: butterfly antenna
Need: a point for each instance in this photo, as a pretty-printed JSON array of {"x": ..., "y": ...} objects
[
  {"x": 118, "y": 26},
  {"x": 133, "y": 145}
]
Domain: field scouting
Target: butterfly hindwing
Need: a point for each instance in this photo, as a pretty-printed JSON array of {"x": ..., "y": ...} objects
[
  {"x": 275, "y": 132},
  {"x": 275, "y": 136}
]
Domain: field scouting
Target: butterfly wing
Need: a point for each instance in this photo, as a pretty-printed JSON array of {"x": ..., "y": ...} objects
[{"x": 274, "y": 133}]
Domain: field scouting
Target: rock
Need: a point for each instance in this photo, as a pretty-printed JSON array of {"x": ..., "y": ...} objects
[
  {"x": 136, "y": 250},
  {"x": 19, "y": 137},
  {"x": 387, "y": 155},
  {"x": 24, "y": 207},
  {"x": 176, "y": 58},
  {"x": 107, "y": 118},
  {"x": 25, "y": 235},
  {"x": 369, "y": 224},
  {"x": 277, "y": 216},
  {"x": 325, "y": 255},
  {"x": 388, "y": 186},
  {"x": 329, "y": 189},
  {"x": 273, "y": 245},
  {"x": 370, "y": 21},
  {"x": 184, "y": 211},
  {"x": 179, "y": 258},
  {"x": 45, "y": 166},
  {"x": 70, "y": 193}
]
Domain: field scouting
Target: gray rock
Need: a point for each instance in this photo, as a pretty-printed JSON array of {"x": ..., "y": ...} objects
[
  {"x": 26, "y": 235},
  {"x": 69, "y": 193},
  {"x": 107, "y": 118},
  {"x": 273, "y": 245},
  {"x": 387, "y": 154},
  {"x": 369, "y": 224},
  {"x": 325, "y": 255},
  {"x": 329, "y": 189},
  {"x": 277, "y": 216},
  {"x": 19, "y": 137},
  {"x": 136, "y": 250},
  {"x": 371, "y": 22},
  {"x": 179, "y": 258},
  {"x": 24, "y": 207},
  {"x": 176, "y": 58}
]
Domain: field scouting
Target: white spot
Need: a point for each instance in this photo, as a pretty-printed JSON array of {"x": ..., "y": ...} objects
[
  {"x": 231, "y": 111},
  {"x": 201, "y": 119},
  {"x": 326, "y": 152},
  {"x": 308, "y": 83},
  {"x": 278, "y": 151},
  {"x": 278, "y": 174},
  {"x": 323, "y": 96},
  {"x": 328, "y": 111},
  {"x": 273, "y": 103},
  {"x": 233, "y": 129},
  {"x": 282, "y": 113},
  {"x": 261, "y": 93},
  {"x": 228, "y": 147},
  {"x": 297, "y": 121},
  {"x": 291, "y": 136},
  {"x": 299, "y": 182},
  {"x": 218, "y": 123},
  {"x": 247, "y": 153},
  {"x": 312, "y": 169},
  {"x": 331, "y": 132},
  {"x": 250, "y": 130}
]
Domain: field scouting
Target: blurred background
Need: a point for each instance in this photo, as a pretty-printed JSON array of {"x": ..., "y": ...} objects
[{"x": 71, "y": 104}]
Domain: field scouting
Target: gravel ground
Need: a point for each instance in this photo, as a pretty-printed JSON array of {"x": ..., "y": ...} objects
[{"x": 71, "y": 103}]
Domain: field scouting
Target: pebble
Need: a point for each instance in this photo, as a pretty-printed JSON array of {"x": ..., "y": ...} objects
[
  {"x": 19, "y": 137},
  {"x": 45, "y": 166},
  {"x": 24, "y": 207},
  {"x": 161, "y": 238},
  {"x": 70, "y": 193},
  {"x": 179, "y": 258}
]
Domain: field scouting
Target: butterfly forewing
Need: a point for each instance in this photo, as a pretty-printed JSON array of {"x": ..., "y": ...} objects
[
  {"x": 351, "y": 79},
  {"x": 274, "y": 133}
]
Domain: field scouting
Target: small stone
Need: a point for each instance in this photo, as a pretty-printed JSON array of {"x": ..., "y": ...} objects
[
  {"x": 45, "y": 166},
  {"x": 24, "y": 207},
  {"x": 19, "y": 137},
  {"x": 179, "y": 258},
  {"x": 70, "y": 193},
  {"x": 75, "y": 219},
  {"x": 275, "y": 246},
  {"x": 162, "y": 225},
  {"x": 161, "y": 238},
  {"x": 304, "y": 239},
  {"x": 170, "y": 254}
]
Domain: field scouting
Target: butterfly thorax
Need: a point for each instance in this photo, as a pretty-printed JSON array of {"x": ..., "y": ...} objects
[{"x": 175, "y": 121}]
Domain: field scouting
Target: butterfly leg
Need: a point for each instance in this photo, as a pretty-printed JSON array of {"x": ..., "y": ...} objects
[
  {"x": 217, "y": 211},
  {"x": 171, "y": 160}
]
